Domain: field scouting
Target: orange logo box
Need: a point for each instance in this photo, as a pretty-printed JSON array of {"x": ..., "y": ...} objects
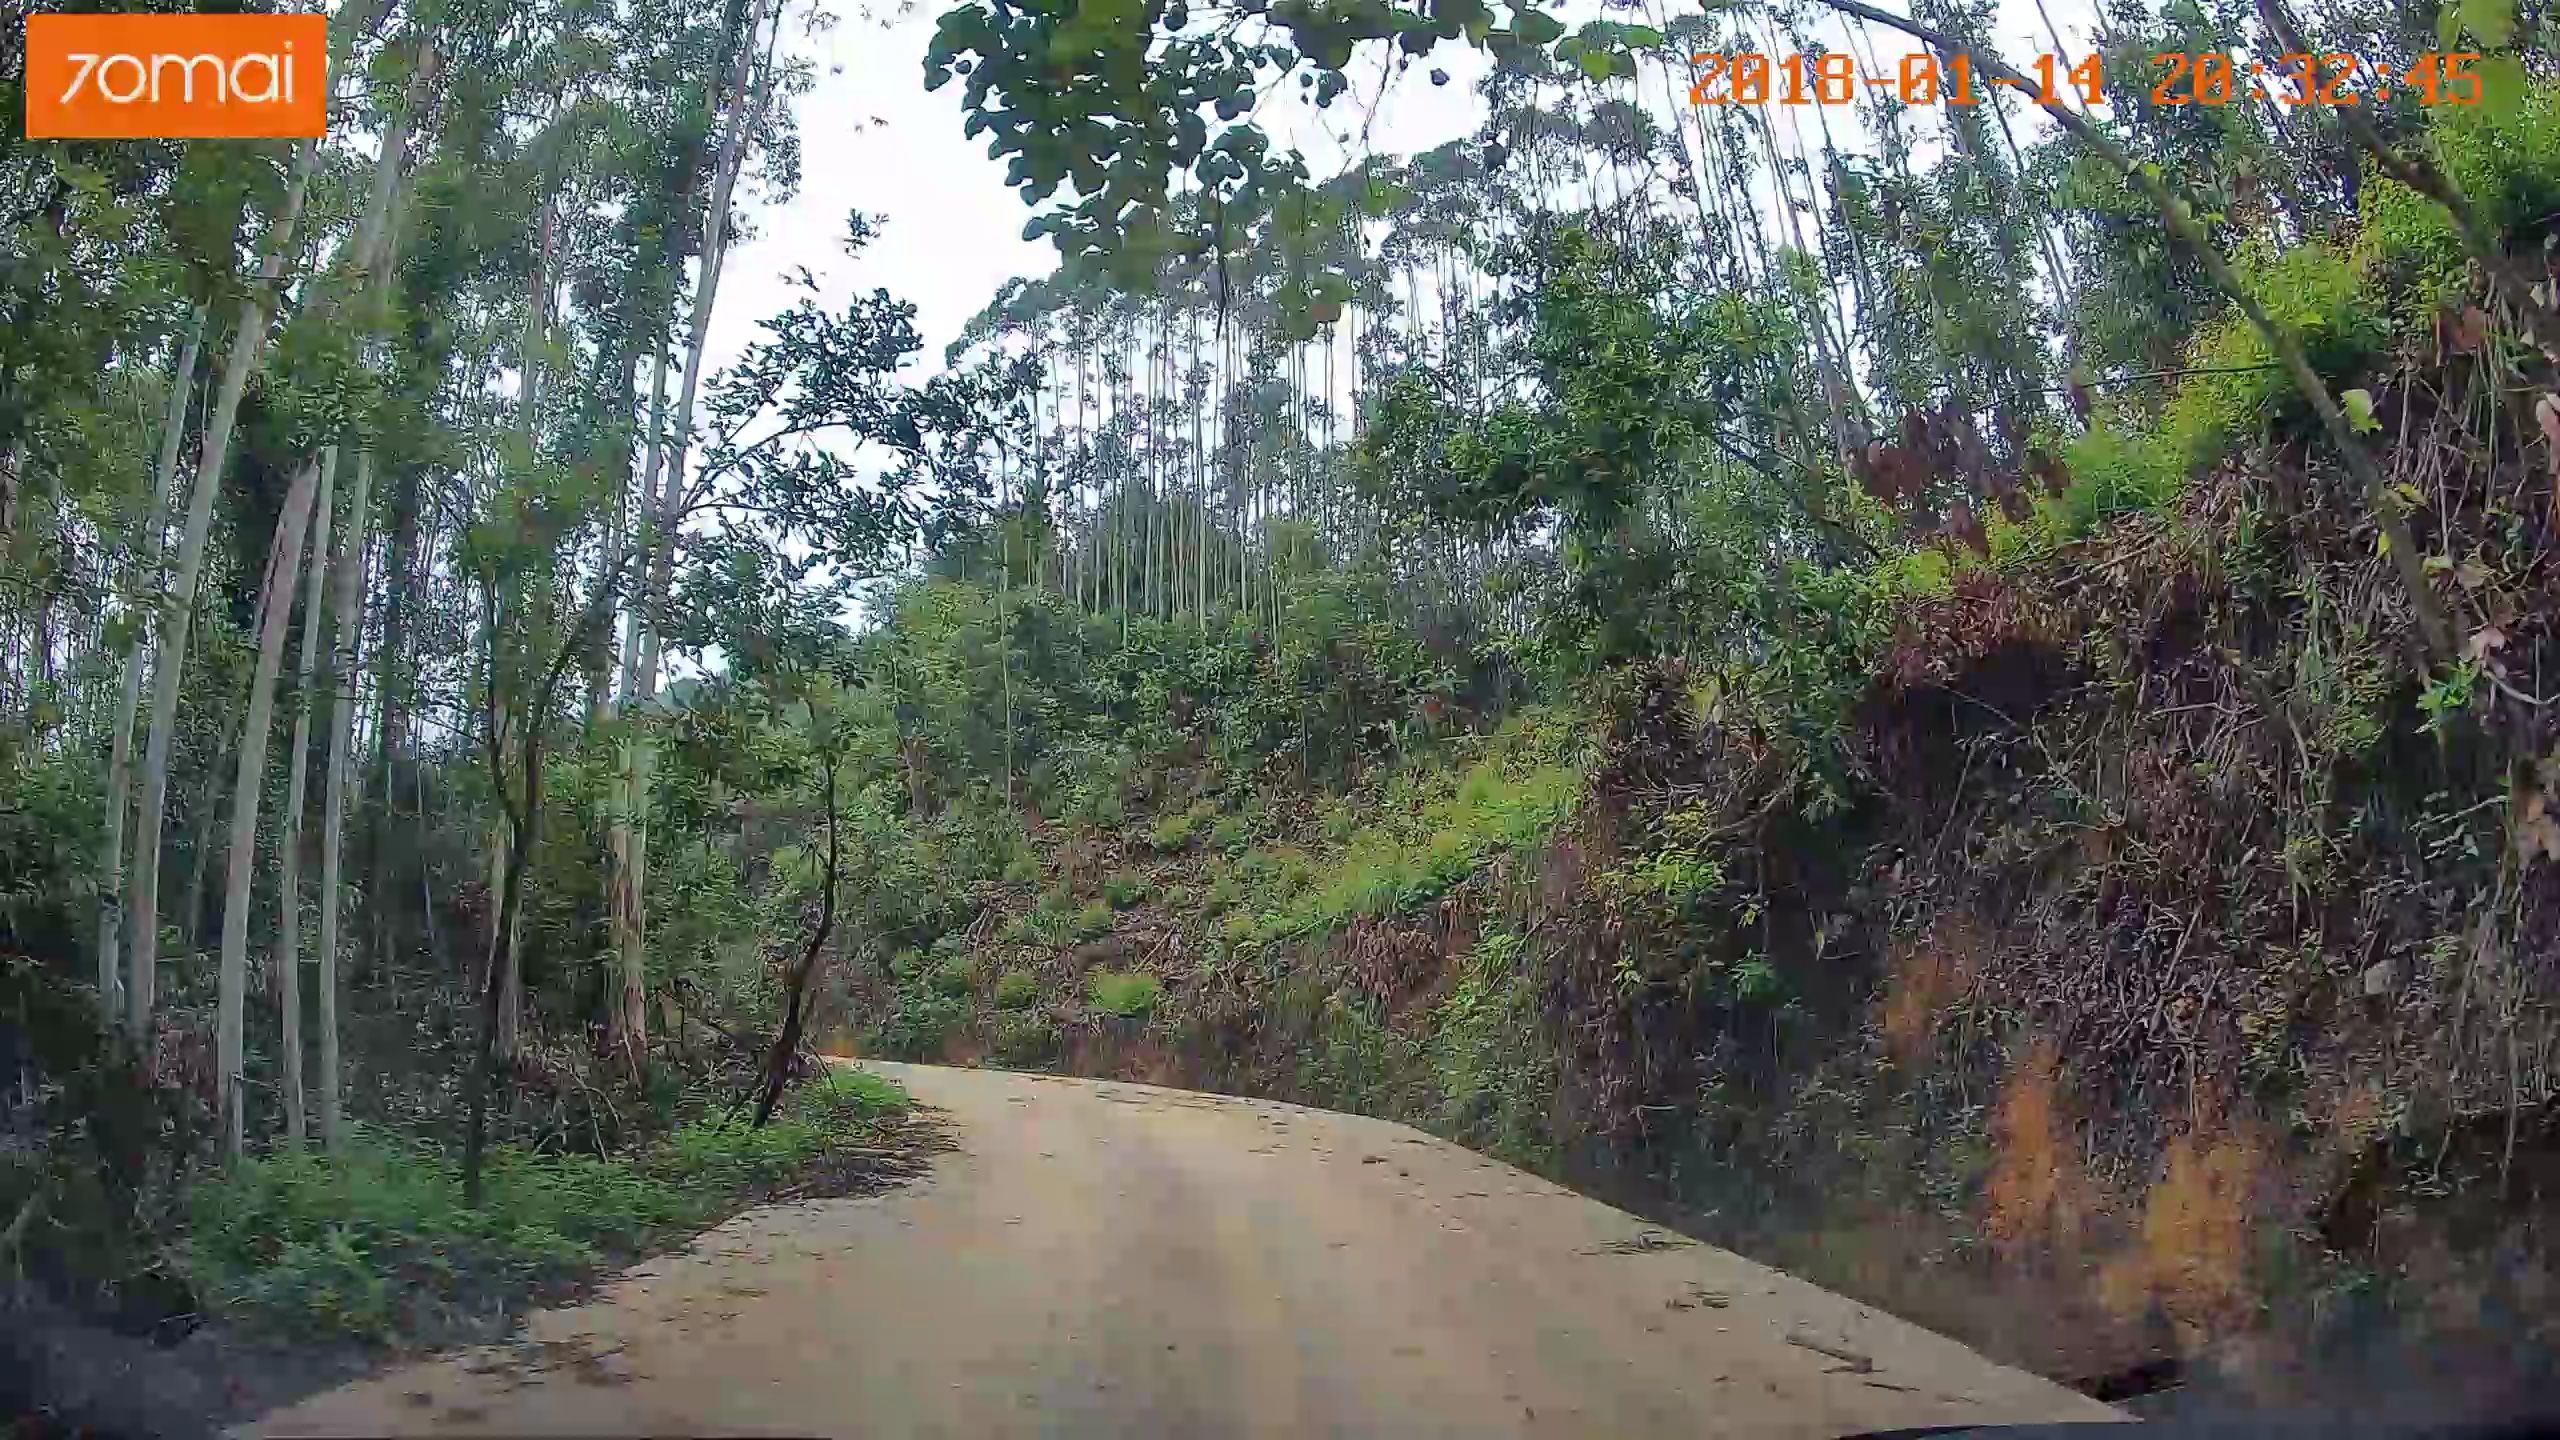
[{"x": 188, "y": 77}]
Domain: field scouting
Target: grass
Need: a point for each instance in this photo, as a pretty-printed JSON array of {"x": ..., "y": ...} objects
[
  {"x": 374, "y": 1241},
  {"x": 1125, "y": 995},
  {"x": 1383, "y": 870},
  {"x": 1094, "y": 920},
  {"x": 1176, "y": 830}
]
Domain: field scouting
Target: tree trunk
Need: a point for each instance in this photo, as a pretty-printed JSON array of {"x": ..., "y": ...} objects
[
  {"x": 626, "y": 849},
  {"x": 248, "y": 345},
  {"x": 348, "y": 615},
  {"x": 510, "y": 986},
  {"x": 289, "y": 1058},
  {"x": 111, "y": 896},
  {"x": 248, "y": 342},
  {"x": 284, "y": 560},
  {"x": 786, "y": 1041},
  {"x": 524, "y": 830},
  {"x": 397, "y": 674}
]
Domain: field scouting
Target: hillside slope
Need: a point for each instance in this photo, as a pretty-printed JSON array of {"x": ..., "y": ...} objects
[{"x": 2142, "y": 998}]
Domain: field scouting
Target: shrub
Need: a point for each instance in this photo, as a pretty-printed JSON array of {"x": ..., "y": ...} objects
[
  {"x": 2505, "y": 159},
  {"x": 1095, "y": 919},
  {"x": 955, "y": 977},
  {"x": 1123, "y": 889},
  {"x": 1022, "y": 869},
  {"x": 373, "y": 1240},
  {"x": 1338, "y": 818},
  {"x": 1173, "y": 832},
  {"x": 1231, "y": 834},
  {"x": 1125, "y": 995},
  {"x": 1024, "y": 1040},
  {"x": 1016, "y": 989},
  {"x": 917, "y": 1023}
]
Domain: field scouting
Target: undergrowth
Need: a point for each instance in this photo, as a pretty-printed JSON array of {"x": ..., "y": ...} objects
[{"x": 374, "y": 1241}]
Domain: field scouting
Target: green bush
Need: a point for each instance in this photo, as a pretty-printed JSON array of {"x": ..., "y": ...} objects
[
  {"x": 2313, "y": 290},
  {"x": 1231, "y": 834},
  {"x": 1094, "y": 920},
  {"x": 1338, "y": 818},
  {"x": 1493, "y": 1070},
  {"x": 917, "y": 1023},
  {"x": 1173, "y": 832},
  {"x": 1124, "y": 888},
  {"x": 1125, "y": 995},
  {"x": 955, "y": 977},
  {"x": 373, "y": 1240},
  {"x": 1024, "y": 1040},
  {"x": 1016, "y": 989},
  {"x": 2506, "y": 161},
  {"x": 1022, "y": 870}
]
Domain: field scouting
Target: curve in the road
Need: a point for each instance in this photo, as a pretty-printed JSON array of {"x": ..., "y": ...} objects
[{"x": 1105, "y": 1259}]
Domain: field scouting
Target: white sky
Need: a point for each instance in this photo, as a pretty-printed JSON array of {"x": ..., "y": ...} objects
[{"x": 954, "y": 231}]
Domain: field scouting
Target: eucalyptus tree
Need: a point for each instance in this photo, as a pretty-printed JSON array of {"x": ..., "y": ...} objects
[
  {"x": 747, "y": 68},
  {"x": 257, "y": 299}
]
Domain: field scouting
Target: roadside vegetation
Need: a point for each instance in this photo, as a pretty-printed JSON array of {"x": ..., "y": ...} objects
[
  {"x": 372, "y": 1239},
  {"x": 1983, "y": 733}
]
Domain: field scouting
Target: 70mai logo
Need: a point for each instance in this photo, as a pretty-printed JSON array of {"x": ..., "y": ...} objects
[{"x": 126, "y": 77}]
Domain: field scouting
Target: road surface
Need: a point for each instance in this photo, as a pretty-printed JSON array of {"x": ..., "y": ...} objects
[{"x": 1110, "y": 1260}]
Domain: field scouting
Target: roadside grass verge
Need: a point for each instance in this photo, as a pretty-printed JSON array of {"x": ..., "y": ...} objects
[{"x": 373, "y": 1242}]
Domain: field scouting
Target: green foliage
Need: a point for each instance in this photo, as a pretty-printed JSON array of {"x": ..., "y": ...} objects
[
  {"x": 1016, "y": 990},
  {"x": 1676, "y": 875},
  {"x": 2315, "y": 292},
  {"x": 1027, "y": 1040},
  {"x": 1126, "y": 995},
  {"x": 1403, "y": 862},
  {"x": 2506, "y": 161},
  {"x": 919, "y": 1020},
  {"x": 1493, "y": 1071},
  {"x": 955, "y": 977},
  {"x": 1225, "y": 891},
  {"x": 1173, "y": 831},
  {"x": 1124, "y": 888},
  {"x": 1231, "y": 834},
  {"x": 1337, "y": 818},
  {"x": 2448, "y": 694},
  {"x": 1093, "y": 920},
  {"x": 374, "y": 1241}
]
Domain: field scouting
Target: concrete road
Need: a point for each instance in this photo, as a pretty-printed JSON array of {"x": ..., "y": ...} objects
[{"x": 1104, "y": 1259}]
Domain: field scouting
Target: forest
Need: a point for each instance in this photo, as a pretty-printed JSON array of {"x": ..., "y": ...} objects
[{"x": 1951, "y": 696}]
